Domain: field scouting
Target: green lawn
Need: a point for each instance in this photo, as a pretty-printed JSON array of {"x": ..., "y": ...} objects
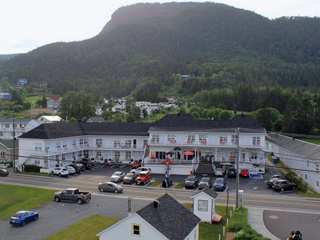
[
  {"x": 86, "y": 228},
  {"x": 154, "y": 184},
  {"x": 179, "y": 186},
  {"x": 14, "y": 198},
  {"x": 310, "y": 140}
]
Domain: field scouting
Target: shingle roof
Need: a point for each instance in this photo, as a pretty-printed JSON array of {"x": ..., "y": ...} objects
[
  {"x": 170, "y": 218},
  {"x": 15, "y": 120},
  {"x": 171, "y": 122},
  {"x": 183, "y": 122},
  {"x": 207, "y": 191},
  {"x": 301, "y": 148},
  {"x": 62, "y": 130},
  {"x": 96, "y": 119}
]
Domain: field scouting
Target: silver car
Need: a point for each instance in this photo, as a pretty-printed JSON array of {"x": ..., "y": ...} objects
[
  {"x": 117, "y": 177},
  {"x": 110, "y": 187}
]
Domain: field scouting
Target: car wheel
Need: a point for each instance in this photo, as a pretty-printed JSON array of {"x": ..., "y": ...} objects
[
  {"x": 282, "y": 189},
  {"x": 36, "y": 217},
  {"x": 57, "y": 199},
  {"x": 101, "y": 190},
  {"x": 23, "y": 223},
  {"x": 52, "y": 172},
  {"x": 116, "y": 191},
  {"x": 144, "y": 183},
  {"x": 79, "y": 201},
  {"x": 294, "y": 188},
  {"x": 59, "y": 174}
]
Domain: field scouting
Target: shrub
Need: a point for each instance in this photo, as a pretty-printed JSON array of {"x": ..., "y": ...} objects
[{"x": 32, "y": 168}]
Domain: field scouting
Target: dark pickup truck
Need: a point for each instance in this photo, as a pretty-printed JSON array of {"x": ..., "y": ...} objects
[{"x": 72, "y": 195}]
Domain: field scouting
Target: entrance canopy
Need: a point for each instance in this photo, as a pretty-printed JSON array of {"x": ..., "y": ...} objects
[{"x": 188, "y": 153}]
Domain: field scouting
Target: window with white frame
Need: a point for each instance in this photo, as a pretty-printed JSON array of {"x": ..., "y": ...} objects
[
  {"x": 58, "y": 144},
  {"x": 128, "y": 155},
  {"x": 256, "y": 141},
  {"x": 317, "y": 183},
  {"x": 136, "y": 229},
  {"x": 98, "y": 154},
  {"x": 99, "y": 142},
  {"x": 191, "y": 138},
  {"x": 37, "y": 162},
  {"x": 155, "y": 139},
  {"x": 85, "y": 141},
  {"x": 203, "y": 138},
  {"x": 128, "y": 143},
  {"x": 223, "y": 140},
  {"x": 38, "y": 147},
  {"x": 232, "y": 157},
  {"x": 171, "y": 138},
  {"x": 116, "y": 143},
  {"x": 2, "y": 154},
  {"x": 81, "y": 141},
  {"x": 203, "y": 205},
  {"x": 117, "y": 154},
  {"x": 306, "y": 177},
  {"x": 243, "y": 156},
  {"x": 145, "y": 143},
  {"x": 234, "y": 139},
  {"x": 308, "y": 164},
  {"x": 74, "y": 142},
  {"x": 64, "y": 144}
]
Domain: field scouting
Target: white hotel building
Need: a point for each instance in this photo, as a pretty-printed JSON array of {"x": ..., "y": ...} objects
[{"x": 181, "y": 138}]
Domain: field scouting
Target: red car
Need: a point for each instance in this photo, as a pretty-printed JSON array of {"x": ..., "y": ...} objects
[
  {"x": 244, "y": 172},
  {"x": 135, "y": 165}
]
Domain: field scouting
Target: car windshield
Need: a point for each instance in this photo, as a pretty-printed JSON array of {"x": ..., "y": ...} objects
[
  {"x": 218, "y": 169},
  {"x": 219, "y": 181},
  {"x": 244, "y": 170},
  {"x": 130, "y": 175},
  {"x": 142, "y": 174},
  {"x": 18, "y": 214},
  {"x": 191, "y": 178},
  {"x": 205, "y": 180},
  {"x": 117, "y": 173}
]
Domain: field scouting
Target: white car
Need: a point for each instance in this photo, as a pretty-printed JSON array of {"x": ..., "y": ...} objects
[
  {"x": 117, "y": 177},
  {"x": 61, "y": 171},
  {"x": 219, "y": 172},
  {"x": 71, "y": 170},
  {"x": 140, "y": 169}
]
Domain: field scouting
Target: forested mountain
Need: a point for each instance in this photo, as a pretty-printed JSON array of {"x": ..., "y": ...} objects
[{"x": 145, "y": 47}]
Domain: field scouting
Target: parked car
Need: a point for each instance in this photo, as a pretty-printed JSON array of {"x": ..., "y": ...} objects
[
  {"x": 143, "y": 178},
  {"x": 76, "y": 167},
  {"x": 4, "y": 172},
  {"x": 21, "y": 218},
  {"x": 87, "y": 163},
  {"x": 61, "y": 171},
  {"x": 82, "y": 168},
  {"x": 135, "y": 165},
  {"x": 117, "y": 177},
  {"x": 271, "y": 180},
  {"x": 110, "y": 187},
  {"x": 244, "y": 172},
  {"x": 282, "y": 185},
  {"x": 140, "y": 169},
  {"x": 204, "y": 183},
  {"x": 191, "y": 182},
  {"x": 129, "y": 178},
  {"x": 231, "y": 172},
  {"x": 72, "y": 195},
  {"x": 219, "y": 184},
  {"x": 219, "y": 172},
  {"x": 71, "y": 170}
]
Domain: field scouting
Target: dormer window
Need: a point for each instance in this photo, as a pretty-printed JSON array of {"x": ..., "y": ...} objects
[{"x": 136, "y": 229}]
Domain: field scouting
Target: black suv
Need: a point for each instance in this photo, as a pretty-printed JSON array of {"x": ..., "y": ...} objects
[
  {"x": 87, "y": 163},
  {"x": 281, "y": 185},
  {"x": 191, "y": 182},
  {"x": 231, "y": 172}
]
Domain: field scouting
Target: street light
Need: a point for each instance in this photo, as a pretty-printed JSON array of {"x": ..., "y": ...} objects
[{"x": 14, "y": 143}]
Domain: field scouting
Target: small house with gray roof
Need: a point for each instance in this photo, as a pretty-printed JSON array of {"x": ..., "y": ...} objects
[
  {"x": 163, "y": 219},
  {"x": 302, "y": 157}
]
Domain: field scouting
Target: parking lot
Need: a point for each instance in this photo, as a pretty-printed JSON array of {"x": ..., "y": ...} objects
[{"x": 102, "y": 173}]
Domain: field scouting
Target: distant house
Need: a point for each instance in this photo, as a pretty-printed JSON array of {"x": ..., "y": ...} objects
[
  {"x": 43, "y": 85},
  {"x": 21, "y": 84},
  {"x": 165, "y": 218},
  {"x": 8, "y": 150},
  {"x": 49, "y": 119},
  {"x": 21, "y": 126},
  {"x": 5, "y": 96},
  {"x": 96, "y": 119},
  {"x": 185, "y": 76},
  {"x": 54, "y": 103},
  {"x": 37, "y": 111}
]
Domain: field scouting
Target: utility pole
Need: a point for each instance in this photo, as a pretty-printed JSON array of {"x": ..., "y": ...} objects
[
  {"x": 237, "y": 162},
  {"x": 14, "y": 143}
]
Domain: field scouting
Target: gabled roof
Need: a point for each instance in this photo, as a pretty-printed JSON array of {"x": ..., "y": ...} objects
[
  {"x": 170, "y": 218},
  {"x": 62, "y": 130},
  {"x": 207, "y": 191},
  {"x": 55, "y": 99},
  {"x": 301, "y": 148},
  {"x": 15, "y": 120},
  {"x": 96, "y": 119},
  {"x": 183, "y": 122}
]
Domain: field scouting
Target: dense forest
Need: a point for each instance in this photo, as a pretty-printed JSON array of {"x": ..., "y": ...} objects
[{"x": 236, "y": 59}]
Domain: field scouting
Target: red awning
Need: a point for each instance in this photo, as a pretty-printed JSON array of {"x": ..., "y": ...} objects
[{"x": 188, "y": 153}]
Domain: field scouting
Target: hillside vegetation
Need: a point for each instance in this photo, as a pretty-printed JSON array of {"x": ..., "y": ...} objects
[{"x": 145, "y": 48}]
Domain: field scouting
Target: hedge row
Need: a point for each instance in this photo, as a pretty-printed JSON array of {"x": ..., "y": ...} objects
[{"x": 32, "y": 168}]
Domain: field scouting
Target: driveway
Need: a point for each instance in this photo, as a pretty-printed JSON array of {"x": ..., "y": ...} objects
[{"x": 54, "y": 217}]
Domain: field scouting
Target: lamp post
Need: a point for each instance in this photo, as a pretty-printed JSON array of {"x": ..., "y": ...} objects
[
  {"x": 14, "y": 143},
  {"x": 237, "y": 162}
]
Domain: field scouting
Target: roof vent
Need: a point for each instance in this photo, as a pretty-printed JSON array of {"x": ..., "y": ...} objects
[{"x": 155, "y": 203}]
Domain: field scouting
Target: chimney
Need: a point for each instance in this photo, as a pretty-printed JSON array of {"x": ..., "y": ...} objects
[{"x": 155, "y": 203}]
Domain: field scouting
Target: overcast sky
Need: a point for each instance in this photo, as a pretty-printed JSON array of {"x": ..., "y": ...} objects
[{"x": 28, "y": 24}]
